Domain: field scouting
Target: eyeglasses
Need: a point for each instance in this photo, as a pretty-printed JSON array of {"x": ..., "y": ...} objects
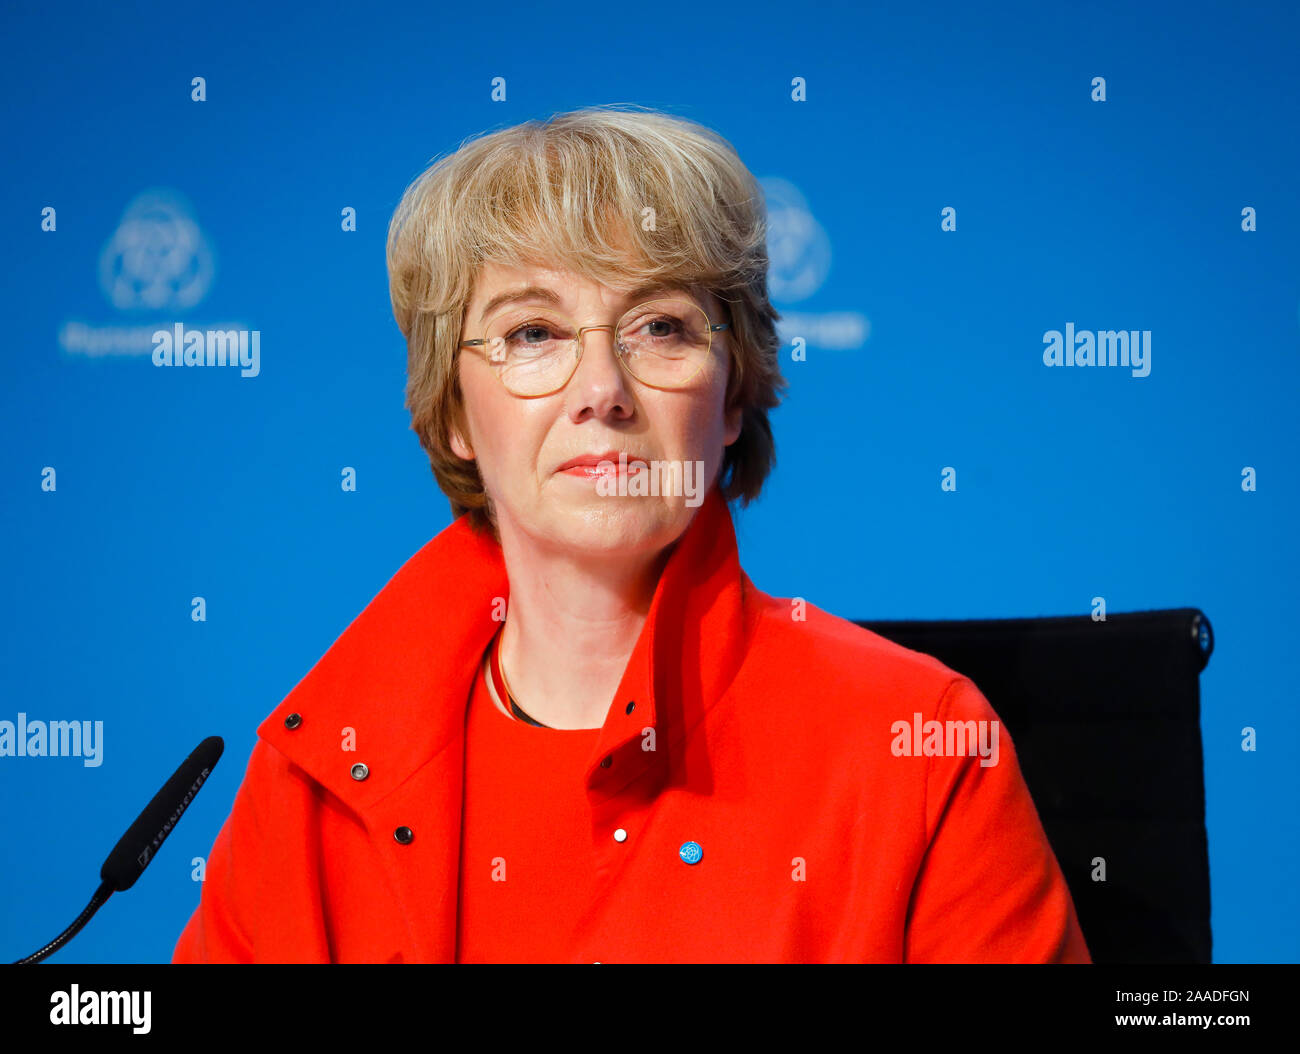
[{"x": 662, "y": 343}]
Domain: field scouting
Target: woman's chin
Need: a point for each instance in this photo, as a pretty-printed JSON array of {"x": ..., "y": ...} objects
[{"x": 615, "y": 524}]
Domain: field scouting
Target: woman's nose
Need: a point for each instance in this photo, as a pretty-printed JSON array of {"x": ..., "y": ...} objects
[{"x": 600, "y": 380}]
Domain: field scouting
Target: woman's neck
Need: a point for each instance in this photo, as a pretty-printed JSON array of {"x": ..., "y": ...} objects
[{"x": 571, "y": 626}]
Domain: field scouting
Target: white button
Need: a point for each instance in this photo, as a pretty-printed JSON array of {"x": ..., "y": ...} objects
[{"x": 620, "y": 835}]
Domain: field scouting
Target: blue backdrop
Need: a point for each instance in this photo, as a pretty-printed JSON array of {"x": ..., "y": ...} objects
[{"x": 1169, "y": 207}]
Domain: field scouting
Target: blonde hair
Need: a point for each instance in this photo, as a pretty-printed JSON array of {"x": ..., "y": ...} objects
[{"x": 578, "y": 191}]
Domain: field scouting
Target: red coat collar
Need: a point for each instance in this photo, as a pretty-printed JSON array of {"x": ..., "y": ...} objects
[{"x": 400, "y": 674}]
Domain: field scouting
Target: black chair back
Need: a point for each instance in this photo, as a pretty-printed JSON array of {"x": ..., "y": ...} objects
[{"x": 1105, "y": 717}]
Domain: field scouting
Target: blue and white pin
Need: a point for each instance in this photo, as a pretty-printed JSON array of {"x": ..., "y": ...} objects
[{"x": 690, "y": 852}]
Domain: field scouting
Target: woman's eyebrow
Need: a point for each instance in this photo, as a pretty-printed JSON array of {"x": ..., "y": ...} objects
[{"x": 543, "y": 293}]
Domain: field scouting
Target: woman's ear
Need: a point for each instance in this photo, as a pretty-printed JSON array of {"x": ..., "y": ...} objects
[
  {"x": 733, "y": 419},
  {"x": 459, "y": 447}
]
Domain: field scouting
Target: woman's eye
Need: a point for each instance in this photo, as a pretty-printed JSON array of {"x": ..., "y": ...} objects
[
  {"x": 659, "y": 327},
  {"x": 531, "y": 334}
]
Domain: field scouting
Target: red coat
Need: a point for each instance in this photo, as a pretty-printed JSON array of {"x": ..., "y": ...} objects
[{"x": 776, "y": 750}]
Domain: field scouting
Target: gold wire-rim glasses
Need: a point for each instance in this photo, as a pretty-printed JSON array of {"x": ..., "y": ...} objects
[{"x": 712, "y": 327}]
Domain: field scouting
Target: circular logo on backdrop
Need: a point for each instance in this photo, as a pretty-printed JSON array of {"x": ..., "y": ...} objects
[
  {"x": 157, "y": 258},
  {"x": 798, "y": 248}
]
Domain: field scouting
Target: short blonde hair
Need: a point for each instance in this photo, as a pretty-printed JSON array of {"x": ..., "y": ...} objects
[{"x": 621, "y": 196}]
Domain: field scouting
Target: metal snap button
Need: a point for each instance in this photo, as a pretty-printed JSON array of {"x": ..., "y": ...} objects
[
  {"x": 404, "y": 835},
  {"x": 359, "y": 771},
  {"x": 293, "y": 721}
]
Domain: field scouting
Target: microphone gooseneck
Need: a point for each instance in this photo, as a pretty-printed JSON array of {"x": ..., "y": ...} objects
[{"x": 96, "y": 902}]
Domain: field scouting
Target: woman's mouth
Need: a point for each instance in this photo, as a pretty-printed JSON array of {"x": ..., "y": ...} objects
[
  {"x": 611, "y": 470},
  {"x": 603, "y": 466}
]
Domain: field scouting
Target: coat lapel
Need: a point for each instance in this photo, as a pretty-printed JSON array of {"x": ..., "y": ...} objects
[{"x": 399, "y": 677}]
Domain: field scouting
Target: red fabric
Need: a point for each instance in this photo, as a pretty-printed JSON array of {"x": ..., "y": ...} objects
[
  {"x": 759, "y": 734},
  {"x": 527, "y": 864}
]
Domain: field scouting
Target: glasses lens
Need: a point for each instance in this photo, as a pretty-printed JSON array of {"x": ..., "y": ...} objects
[
  {"x": 665, "y": 342},
  {"x": 533, "y": 352}
]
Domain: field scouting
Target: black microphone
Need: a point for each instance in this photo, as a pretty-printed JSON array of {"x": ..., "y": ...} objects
[{"x": 140, "y": 844}]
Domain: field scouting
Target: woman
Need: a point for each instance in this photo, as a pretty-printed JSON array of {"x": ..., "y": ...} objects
[{"x": 570, "y": 728}]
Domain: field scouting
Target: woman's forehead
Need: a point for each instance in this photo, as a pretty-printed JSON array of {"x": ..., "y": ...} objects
[{"x": 566, "y": 288}]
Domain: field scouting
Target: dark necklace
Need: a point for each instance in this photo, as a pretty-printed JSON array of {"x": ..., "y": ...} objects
[{"x": 499, "y": 675}]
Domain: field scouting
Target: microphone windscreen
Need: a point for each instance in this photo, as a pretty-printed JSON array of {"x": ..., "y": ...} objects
[{"x": 143, "y": 838}]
